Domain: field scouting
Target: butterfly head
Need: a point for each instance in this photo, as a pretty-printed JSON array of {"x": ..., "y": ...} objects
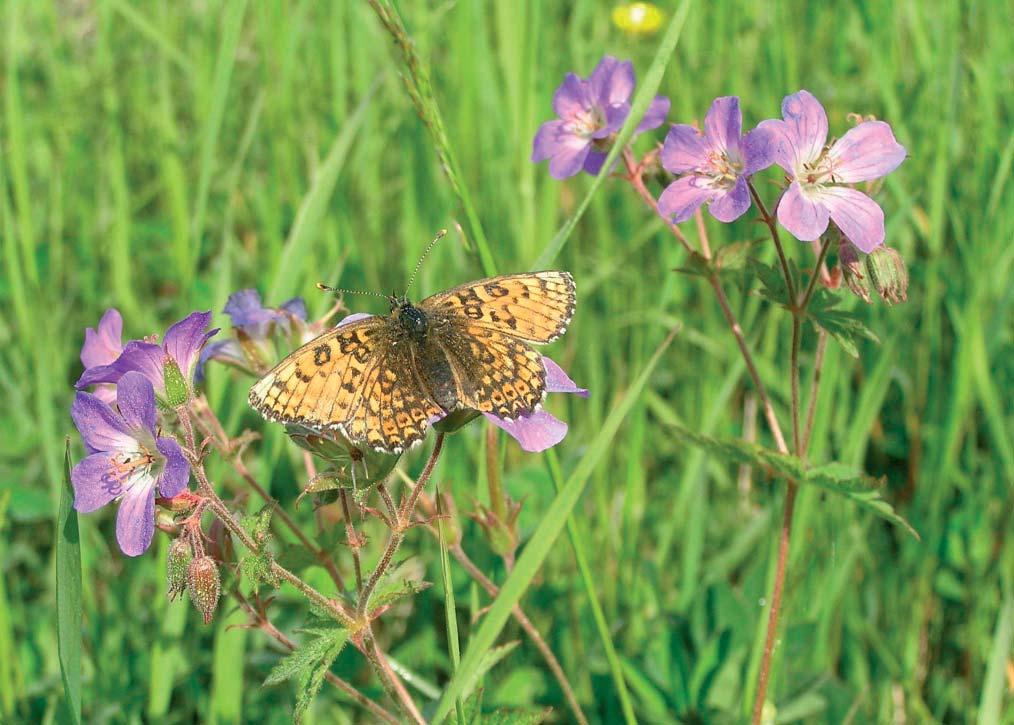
[{"x": 408, "y": 316}]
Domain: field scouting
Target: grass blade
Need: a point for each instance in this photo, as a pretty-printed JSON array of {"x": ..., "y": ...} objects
[
  {"x": 991, "y": 702},
  {"x": 642, "y": 99},
  {"x": 68, "y": 595},
  {"x": 537, "y": 549}
]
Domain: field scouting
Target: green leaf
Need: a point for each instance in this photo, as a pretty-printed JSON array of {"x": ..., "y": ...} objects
[
  {"x": 696, "y": 265},
  {"x": 839, "y": 478},
  {"x": 312, "y": 651},
  {"x": 68, "y": 595},
  {"x": 646, "y": 91},
  {"x": 403, "y": 580},
  {"x": 845, "y": 327},
  {"x": 258, "y": 525},
  {"x": 256, "y": 566},
  {"x": 772, "y": 281},
  {"x": 543, "y": 539}
]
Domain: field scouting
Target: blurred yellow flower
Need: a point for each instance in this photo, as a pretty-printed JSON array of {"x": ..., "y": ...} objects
[{"x": 638, "y": 18}]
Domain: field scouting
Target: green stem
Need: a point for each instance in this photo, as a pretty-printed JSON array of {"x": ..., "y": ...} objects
[{"x": 772, "y": 225}]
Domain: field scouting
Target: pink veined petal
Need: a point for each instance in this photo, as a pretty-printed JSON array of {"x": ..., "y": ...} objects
[
  {"x": 684, "y": 150},
  {"x": 758, "y": 150},
  {"x": 557, "y": 381},
  {"x": 611, "y": 82},
  {"x": 805, "y": 218},
  {"x": 571, "y": 97},
  {"x": 106, "y": 393},
  {"x": 780, "y": 149},
  {"x": 94, "y": 483},
  {"x": 868, "y": 151},
  {"x": 103, "y": 345},
  {"x": 682, "y": 198},
  {"x": 176, "y": 473},
  {"x": 101, "y": 428},
  {"x": 732, "y": 204},
  {"x": 548, "y": 140},
  {"x": 724, "y": 124},
  {"x": 569, "y": 158},
  {"x": 805, "y": 126},
  {"x": 655, "y": 115},
  {"x": 535, "y": 433},
  {"x": 616, "y": 116},
  {"x": 354, "y": 317},
  {"x": 135, "y": 398},
  {"x": 859, "y": 217},
  {"x": 184, "y": 340},
  {"x": 135, "y": 521}
]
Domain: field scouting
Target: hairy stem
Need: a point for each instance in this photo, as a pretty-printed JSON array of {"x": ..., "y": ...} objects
[
  {"x": 772, "y": 225},
  {"x": 811, "y": 407},
  {"x": 496, "y": 500},
  {"x": 351, "y": 537}
]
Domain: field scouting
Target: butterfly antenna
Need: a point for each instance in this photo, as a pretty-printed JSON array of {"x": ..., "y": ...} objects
[
  {"x": 327, "y": 288},
  {"x": 418, "y": 265}
]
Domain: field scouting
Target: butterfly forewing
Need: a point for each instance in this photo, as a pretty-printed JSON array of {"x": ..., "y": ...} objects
[{"x": 535, "y": 307}]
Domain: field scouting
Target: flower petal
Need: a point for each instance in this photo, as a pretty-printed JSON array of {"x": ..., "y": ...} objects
[
  {"x": 246, "y": 312},
  {"x": 184, "y": 340},
  {"x": 535, "y": 432},
  {"x": 103, "y": 345},
  {"x": 354, "y": 317},
  {"x": 569, "y": 158},
  {"x": 859, "y": 217},
  {"x": 135, "y": 521},
  {"x": 143, "y": 357},
  {"x": 135, "y": 398},
  {"x": 94, "y": 483},
  {"x": 229, "y": 352},
  {"x": 616, "y": 116},
  {"x": 295, "y": 307},
  {"x": 655, "y": 115},
  {"x": 682, "y": 198},
  {"x": 611, "y": 82},
  {"x": 593, "y": 162},
  {"x": 176, "y": 473},
  {"x": 868, "y": 151},
  {"x": 557, "y": 381},
  {"x": 684, "y": 150},
  {"x": 550, "y": 137},
  {"x": 805, "y": 218},
  {"x": 724, "y": 124},
  {"x": 805, "y": 126},
  {"x": 571, "y": 97},
  {"x": 100, "y": 427},
  {"x": 758, "y": 150},
  {"x": 732, "y": 204}
]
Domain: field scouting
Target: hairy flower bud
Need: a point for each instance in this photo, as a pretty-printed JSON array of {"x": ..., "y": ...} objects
[
  {"x": 204, "y": 586},
  {"x": 177, "y": 563},
  {"x": 888, "y": 274},
  {"x": 176, "y": 391},
  {"x": 851, "y": 264}
]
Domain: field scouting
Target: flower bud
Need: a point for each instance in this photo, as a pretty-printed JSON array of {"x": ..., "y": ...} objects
[
  {"x": 888, "y": 274},
  {"x": 502, "y": 533},
  {"x": 176, "y": 391},
  {"x": 852, "y": 269},
  {"x": 177, "y": 563},
  {"x": 204, "y": 586}
]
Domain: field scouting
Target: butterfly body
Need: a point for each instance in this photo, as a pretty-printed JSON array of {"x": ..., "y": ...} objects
[{"x": 383, "y": 380}]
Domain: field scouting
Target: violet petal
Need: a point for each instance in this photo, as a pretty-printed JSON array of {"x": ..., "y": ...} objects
[
  {"x": 868, "y": 151},
  {"x": 612, "y": 81},
  {"x": 805, "y": 126},
  {"x": 569, "y": 158},
  {"x": 184, "y": 340},
  {"x": 135, "y": 521},
  {"x": 103, "y": 345},
  {"x": 684, "y": 150},
  {"x": 176, "y": 473},
  {"x": 548, "y": 140},
  {"x": 805, "y": 218},
  {"x": 724, "y": 124},
  {"x": 557, "y": 381},
  {"x": 682, "y": 198},
  {"x": 655, "y": 115},
  {"x": 135, "y": 398},
  {"x": 100, "y": 427},
  {"x": 94, "y": 482},
  {"x": 534, "y": 433},
  {"x": 571, "y": 97},
  {"x": 732, "y": 204},
  {"x": 758, "y": 151},
  {"x": 859, "y": 217}
]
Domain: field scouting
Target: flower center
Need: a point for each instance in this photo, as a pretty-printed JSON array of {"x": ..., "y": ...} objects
[
  {"x": 724, "y": 167},
  {"x": 125, "y": 469},
  {"x": 586, "y": 123},
  {"x": 812, "y": 175}
]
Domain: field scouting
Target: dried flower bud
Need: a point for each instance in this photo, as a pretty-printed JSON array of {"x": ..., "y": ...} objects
[
  {"x": 177, "y": 563},
  {"x": 176, "y": 391},
  {"x": 204, "y": 586},
  {"x": 888, "y": 274},
  {"x": 852, "y": 269}
]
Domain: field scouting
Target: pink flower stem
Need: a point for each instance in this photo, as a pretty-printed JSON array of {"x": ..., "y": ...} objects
[{"x": 772, "y": 225}]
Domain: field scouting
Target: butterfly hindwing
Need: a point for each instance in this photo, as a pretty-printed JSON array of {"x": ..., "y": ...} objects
[{"x": 535, "y": 307}]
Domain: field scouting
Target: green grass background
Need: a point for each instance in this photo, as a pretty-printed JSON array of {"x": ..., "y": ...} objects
[{"x": 154, "y": 156}]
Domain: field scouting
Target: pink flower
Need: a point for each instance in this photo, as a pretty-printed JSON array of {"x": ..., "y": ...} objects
[
  {"x": 819, "y": 173},
  {"x": 714, "y": 165},
  {"x": 102, "y": 346}
]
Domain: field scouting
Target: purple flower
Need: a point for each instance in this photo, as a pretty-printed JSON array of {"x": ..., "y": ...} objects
[
  {"x": 126, "y": 460},
  {"x": 714, "y": 165},
  {"x": 589, "y": 112},
  {"x": 866, "y": 152},
  {"x": 182, "y": 344},
  {"x": 253, "y": 326},
  {"x": 101, "y": 347}
]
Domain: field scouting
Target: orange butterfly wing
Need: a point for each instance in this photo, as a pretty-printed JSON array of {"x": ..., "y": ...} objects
[{"x": 534, "y": 307}]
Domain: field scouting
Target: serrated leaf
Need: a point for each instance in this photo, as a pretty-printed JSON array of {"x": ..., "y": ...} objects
[
  {"x": 696, "y": 265},
  {"x": 256, "y": 566},
  {"x": 309, "y": 664},
  {"x": 845, "y": 327},
  {"x": 839, "y": 478},
  {"x": 733, "y": 257},
  {"x": 258, "y": 524},
  {"x": 400, "y": 581},
  {"x": 515, "y": 717},
  {"x": 772, "y": 281}
]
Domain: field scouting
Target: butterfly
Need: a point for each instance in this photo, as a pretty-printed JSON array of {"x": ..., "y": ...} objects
[{"x": 384, "y": 380}]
